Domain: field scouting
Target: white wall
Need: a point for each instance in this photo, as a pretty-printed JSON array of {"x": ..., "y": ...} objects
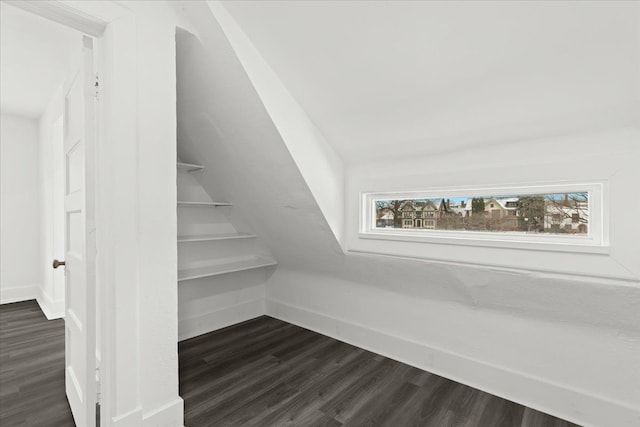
[
  {"x": 157, "y": 257},
  {"x": 153, "y": 218},
  {"x": 566, "y": 345},
  {"x": 607, "y": 157},
  {"x": 20, "y": 256}
]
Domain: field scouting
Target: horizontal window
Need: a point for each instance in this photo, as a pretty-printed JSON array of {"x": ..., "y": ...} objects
[
  {"x": 566, "y": 215},
  {"x": 530, "y": 213}
]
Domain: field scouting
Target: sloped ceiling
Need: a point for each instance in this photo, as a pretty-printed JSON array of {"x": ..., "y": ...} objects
[{"x": 385, "y": 79}]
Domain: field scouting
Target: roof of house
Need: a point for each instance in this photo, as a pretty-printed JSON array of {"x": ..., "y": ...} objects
[
  {"x": 504, "y": 200},
  {"x": 387, "y": 215}
]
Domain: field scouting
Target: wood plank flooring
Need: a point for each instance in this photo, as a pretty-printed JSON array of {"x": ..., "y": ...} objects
[
  {"x": 265, "y": 372},
  {"x": 31, "y": 368}
]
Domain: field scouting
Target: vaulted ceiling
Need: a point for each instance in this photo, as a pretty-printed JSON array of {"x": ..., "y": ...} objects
[{"x": 390, "y": 79}]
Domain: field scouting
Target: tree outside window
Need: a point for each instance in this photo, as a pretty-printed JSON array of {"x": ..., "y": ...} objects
[{"x": 553, "y": 213}]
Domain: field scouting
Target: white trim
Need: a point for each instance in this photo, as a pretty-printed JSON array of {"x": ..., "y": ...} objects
[
  {"x": 116, "y": 196},
  {"x": 597, "y": 241},
  {"x": 19, "y": 293},
  {"x": 227, "y": 316},
  {"x": 572, "y": 404},
  {"x": 52, "y": 309},
  {"x": 493, "y": 240},
  {"x": 132, "y": 418},
  {"x": 67, "y": 15},
  {"x": 169, "y": 414}
]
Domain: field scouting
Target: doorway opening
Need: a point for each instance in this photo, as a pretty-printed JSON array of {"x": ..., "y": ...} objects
[{"x": 48, "y": 232}]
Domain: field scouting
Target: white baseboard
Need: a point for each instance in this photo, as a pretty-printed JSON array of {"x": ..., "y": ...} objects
[
  {"x": 169, "y": 415},
  {"x": 198, "y": 325},
  {"x": 52, "y": 309},
  {"x": 562, "y": 401},
  {"x": 17, "y": 294},
  {"x": 132, "y": 418}
]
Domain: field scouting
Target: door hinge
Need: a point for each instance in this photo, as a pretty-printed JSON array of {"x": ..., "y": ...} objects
[
  {"x": 98, "y": 396},
  {"x": 96, "y": 85},
  {"x": 98, "y": 386}
]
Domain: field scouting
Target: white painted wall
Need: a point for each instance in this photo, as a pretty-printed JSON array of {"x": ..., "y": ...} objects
[
  {"x": 31, "y": 43},
  {"x": 208, "y": 304},
  {"x": 20, "y": 256},
  {"x": 607, "y": 157},
  {"x": 151, "y": 170},
  {"x": 566, "y": 345},
  {"x": 116, "y": 214},
  {"x": 156, "y": 213}
]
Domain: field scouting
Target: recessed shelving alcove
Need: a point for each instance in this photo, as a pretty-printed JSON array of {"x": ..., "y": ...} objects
[{"x": 221, "y": 267}]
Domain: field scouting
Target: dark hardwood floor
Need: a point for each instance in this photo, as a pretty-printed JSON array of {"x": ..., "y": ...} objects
[
  {"x": 31, "y": 368},
  {"x": 265, "y": 372}
]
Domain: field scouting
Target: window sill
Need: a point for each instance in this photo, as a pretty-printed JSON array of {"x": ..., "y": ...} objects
[{"x": 508, "y": 241}]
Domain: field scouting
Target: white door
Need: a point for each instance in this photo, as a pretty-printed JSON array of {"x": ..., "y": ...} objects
[{"x": 80, "y": 304}]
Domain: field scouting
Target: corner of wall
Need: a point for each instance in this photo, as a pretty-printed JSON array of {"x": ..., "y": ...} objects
[
  {"x": 220, "y": 318},
  {"x": 52, "y": 309}
]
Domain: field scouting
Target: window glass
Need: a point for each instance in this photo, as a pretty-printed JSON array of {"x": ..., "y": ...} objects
[{"x": 552, "y": 213}]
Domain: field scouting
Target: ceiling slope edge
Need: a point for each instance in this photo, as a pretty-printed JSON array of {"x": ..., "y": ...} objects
[{"x": 321, "y": 167}]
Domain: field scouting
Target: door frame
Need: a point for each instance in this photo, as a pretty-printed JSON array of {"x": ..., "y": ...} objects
[{"x": 113, "y": 27}]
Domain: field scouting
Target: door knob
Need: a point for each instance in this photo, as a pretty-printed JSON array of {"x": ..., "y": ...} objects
[{"x": 57, "y": 263}]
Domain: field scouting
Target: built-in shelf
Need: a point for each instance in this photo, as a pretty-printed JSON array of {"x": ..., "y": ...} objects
[
  {"x": 189, "y": 167},
  {"x": 208, "y": 237},
  {"x": 202, "y": 204},
  {"x": 231, "y": 266}
]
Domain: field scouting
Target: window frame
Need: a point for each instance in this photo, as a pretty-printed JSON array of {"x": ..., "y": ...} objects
[{"x": 596, "y": 240}]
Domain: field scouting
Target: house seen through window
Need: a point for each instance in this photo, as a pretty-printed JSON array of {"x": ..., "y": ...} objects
[{"x": 553, "y": 213}]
